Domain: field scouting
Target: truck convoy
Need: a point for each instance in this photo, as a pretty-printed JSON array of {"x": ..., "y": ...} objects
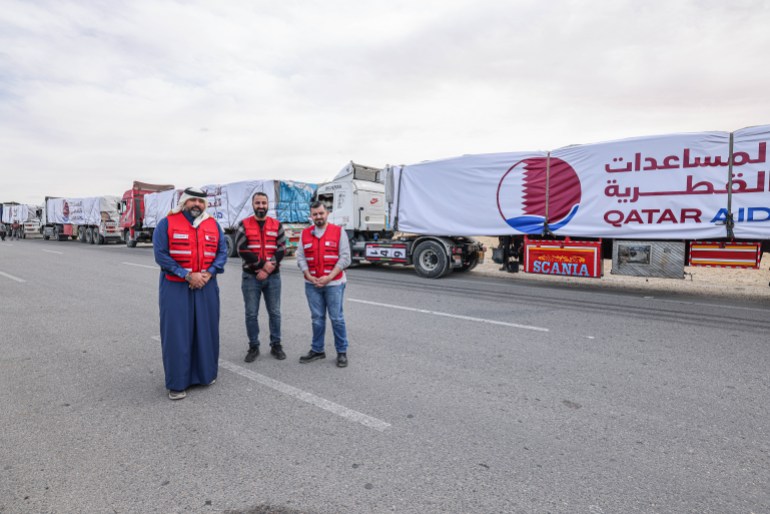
[
  {"x": 700, "y": 198},
  {"x": 356, "y": 201},
  {"x": 92, "y": 220}
]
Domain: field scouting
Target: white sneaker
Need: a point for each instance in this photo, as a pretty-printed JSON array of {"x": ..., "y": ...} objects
[{"x": 177, "y": 395}]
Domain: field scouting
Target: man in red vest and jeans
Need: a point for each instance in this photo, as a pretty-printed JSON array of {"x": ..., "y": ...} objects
[
  {"x": 261, "y": 244},
  {"x": 322, "y": 255}
]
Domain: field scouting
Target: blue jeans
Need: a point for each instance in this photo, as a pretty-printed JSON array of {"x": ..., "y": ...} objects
[
  {"x": 322, "y": 300},
  {"x": 253, "y": 290}
]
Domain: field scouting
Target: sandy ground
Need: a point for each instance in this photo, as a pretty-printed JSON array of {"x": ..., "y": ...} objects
[{"x": 707, "y": 281}]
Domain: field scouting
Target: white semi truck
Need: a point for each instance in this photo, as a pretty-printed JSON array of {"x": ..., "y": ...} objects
[
  {"x": 356, "y": 201},
  {"x": 92, "y": 220},
  {"x": 27, "y": 215}
]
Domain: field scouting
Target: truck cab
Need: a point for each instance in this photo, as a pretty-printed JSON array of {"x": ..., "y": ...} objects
[
  {"x": 355, "y": 200},
  {"x": 131, "y": 210},
  {"x": 32, "y": 225}
]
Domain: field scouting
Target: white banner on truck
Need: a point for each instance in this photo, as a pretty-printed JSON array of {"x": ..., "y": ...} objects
[
  {"x": 750, "y": 201},
  {"x": 17, "y": 212},
  {"x": 158, "y": 205},
  {"x": 231, "y": 203},
  {"x": 82, "y": 211},
  {"x": 227, "y": 203},
  {"x": 658, "y": 187},
  {"x": 456, "y": 196}
]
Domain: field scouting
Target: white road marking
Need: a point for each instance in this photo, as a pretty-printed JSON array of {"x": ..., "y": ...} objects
[
  {"x": 139, "y": 265},
  {"x": 53, "y": 251},
  {"x": 17, "y": 279},
  {"x": 310, "y": 398},
  {"x": 447, "y": 315}
]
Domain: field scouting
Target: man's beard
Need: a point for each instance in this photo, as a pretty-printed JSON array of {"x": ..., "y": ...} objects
[
  {"x": 260, "y": 213},
  {"x": 319, "y": 223},
  {"x": 196, "y": 211}
]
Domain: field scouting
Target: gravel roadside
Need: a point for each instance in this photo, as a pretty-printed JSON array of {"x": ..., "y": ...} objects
[{"x": 741, "y": 283}]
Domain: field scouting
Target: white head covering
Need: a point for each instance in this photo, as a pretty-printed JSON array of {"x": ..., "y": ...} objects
[{"x": 191, "y": 192}]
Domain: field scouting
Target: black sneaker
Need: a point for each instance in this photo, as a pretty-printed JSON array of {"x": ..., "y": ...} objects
[
  {"x": 312, "y": 356},
  {"x": 342, "y": 360},
  {"x": 277, "y": 351},
  {"x": 252, "y": 354}
]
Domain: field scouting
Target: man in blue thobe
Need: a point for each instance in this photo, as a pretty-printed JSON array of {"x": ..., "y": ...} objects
[{"x": 191, "y": 251}]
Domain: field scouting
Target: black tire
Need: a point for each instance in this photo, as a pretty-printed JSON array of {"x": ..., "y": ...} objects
[
  {"x": 232, "y": 251},
  {"x": 82, "y": 234},
  {"x": 89, "y": 235},
  {"x": 430, "y": 260},
  {"x": 97, "y": 238}
]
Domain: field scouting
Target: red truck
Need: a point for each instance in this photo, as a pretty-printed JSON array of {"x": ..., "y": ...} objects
[{"x": 132, "y": 212}]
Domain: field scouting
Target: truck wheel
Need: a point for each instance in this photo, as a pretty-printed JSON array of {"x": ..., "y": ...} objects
[
  {"x": 87, "y": 233},
  {"x": 81, "y": 234},
  {"x": 430, "y": 260},
  {"x": 231, "y": 250},
  {"x": 97, "y": 238},
  {"x": 56, "y": 233}
]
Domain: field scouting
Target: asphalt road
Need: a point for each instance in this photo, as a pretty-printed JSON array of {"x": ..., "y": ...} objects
[{"x": 466, "y": 394}]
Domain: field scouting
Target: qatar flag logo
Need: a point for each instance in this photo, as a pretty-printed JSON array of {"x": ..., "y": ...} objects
[{"x": 521, "y": 195}]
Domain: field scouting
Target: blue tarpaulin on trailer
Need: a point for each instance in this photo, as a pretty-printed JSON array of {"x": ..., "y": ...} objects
[{"x": 294, "y": 201}]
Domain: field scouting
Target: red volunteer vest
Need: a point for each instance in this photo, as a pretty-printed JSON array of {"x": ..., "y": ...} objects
[
  {"x": 194, "y": 249},
  {"x": 261, "y": 243},
  {"x": 322, "y": 254}
]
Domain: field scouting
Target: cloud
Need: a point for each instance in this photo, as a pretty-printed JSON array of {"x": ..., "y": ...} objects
[{"x": 96, "y": 94}]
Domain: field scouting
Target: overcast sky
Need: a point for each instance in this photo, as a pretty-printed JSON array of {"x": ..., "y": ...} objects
[{"x": 95, "y": 94}]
